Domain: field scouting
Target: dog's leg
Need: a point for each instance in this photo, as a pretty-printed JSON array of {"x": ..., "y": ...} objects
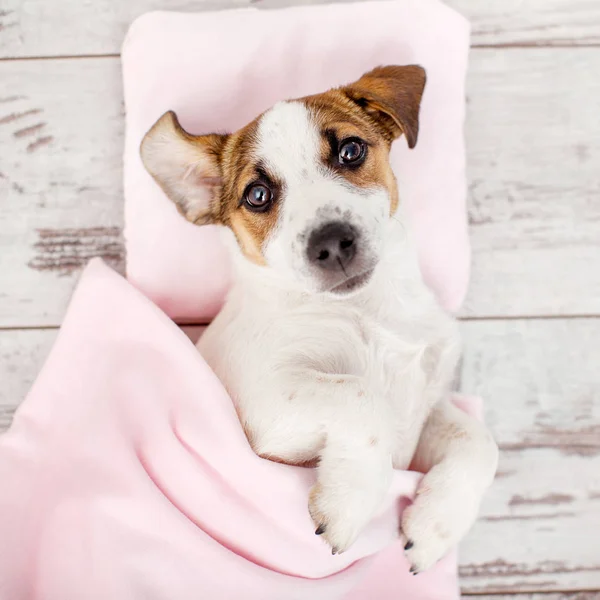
[
  {"x": 341, "y": 421},
  {"x": 460, "y": 458},
  {"x": 354, "y": 474}
]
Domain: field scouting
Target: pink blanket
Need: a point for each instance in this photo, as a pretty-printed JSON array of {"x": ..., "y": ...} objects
[{"x": 126, "y": 476}]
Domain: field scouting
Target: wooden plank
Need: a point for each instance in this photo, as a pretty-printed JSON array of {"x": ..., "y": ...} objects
[
  {"x": 61, "y": 138},
  {"x": 541, "y": 384},
  {"x": 532, "y": 22},
  {"x": 534, "y": 183},
  {"x": 533, "y": 159},
  {"x": 593, "y": 595},
  {"x": 74, "y": 28},
  {"x": 538, "y": 522},
  {"x": 536, "y": 530},
  {"x": 540, "y": 380}
]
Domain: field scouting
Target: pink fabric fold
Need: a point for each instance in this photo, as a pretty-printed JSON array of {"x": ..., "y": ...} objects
[
  {"x": 219, "y": 70},
  {"x": 126, "y": 476}
]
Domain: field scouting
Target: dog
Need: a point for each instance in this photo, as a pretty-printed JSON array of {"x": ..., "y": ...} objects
[{"x": 334, "y": 351}]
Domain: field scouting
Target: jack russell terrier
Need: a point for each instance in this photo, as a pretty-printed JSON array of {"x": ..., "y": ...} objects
[{"x": 334, "y": 351}]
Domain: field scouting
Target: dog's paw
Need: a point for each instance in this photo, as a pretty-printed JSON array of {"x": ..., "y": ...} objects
[
  {"x": 339, "y": 517},
  {"x": 436, "y": 521}
]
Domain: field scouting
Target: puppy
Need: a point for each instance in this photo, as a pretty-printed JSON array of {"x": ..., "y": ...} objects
[{"x": 331, "y": 346}]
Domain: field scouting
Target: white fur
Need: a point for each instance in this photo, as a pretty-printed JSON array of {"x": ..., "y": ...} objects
[
  {"x": 288, "y": 144},
  {"x": 359, "y": 381}
]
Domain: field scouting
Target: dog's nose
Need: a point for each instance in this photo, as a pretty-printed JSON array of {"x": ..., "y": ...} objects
[{"x": 333, "y": 246}]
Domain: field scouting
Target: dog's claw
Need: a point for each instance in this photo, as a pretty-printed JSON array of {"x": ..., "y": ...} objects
[
  {"x": 334, "y": 551},
  {"x": 409, "y": 545},
  {"x": 414, "y": 570},
  {"x": 320, "y": 530}
]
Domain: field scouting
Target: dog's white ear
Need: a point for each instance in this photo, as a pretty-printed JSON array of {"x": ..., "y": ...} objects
[
  {"x": 186, "y": 167},
  {"x": 391, "y": 95}
]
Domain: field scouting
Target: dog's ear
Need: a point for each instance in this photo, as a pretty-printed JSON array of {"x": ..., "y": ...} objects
[
  {"x": 391, "y": 95},
  {"x": 186, "y": 167}
]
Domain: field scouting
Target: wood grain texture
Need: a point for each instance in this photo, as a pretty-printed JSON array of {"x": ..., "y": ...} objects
[
  {"x": 542, "y": 596},
  {"x": 536, "y": 530},
  {"x": 533, "y": 162},
  {"x": 538, "y": 524},
  {"x": 532, "y": 22},
  {"x": 61, "y": 130},
  {"x": 541, "y": 384},
  {"x": 540, "y": 380},
  {"x": 74, "y": 28},
  {"x": 534, "y": 182}
]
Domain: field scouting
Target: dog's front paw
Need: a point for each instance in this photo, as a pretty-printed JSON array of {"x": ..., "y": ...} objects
[
  {"x": 436, "y": 521},
  {"x": 339, "y": 515}
]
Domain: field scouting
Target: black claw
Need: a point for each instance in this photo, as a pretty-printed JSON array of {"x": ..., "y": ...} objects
[
  {"x": 320, "y": 530},
  {"x": 409, "y": 545},
  {"x": 334, "y": 551},
  {"x": 414, "y": 570}
]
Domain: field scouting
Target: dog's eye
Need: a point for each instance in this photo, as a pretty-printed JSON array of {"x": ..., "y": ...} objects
[
  {"x": 258, "y": 197},
  {"x": 352, "y": 151}
]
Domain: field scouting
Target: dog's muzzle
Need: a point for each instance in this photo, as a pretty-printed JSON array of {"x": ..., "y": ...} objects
[{"x": 333, "y": 247}]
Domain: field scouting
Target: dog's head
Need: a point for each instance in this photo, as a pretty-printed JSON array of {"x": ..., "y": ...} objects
[{"x": 306, "y": 187}]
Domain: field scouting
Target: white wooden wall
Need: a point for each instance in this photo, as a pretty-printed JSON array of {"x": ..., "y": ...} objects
[{"x": 532, "y": 319}]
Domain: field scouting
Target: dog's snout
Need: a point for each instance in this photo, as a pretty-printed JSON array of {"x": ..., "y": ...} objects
[{"x": 333, "y": 246}]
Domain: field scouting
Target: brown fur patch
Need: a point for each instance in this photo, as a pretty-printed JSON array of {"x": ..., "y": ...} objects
[
  {"x": 239, "y": 169},
  {"x": 337, "y": 116},
  {"x": 452, "y": 431},
  {"x": 392, "y": 95}
]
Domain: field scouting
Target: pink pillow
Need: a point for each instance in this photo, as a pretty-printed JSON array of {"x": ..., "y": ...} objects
[{"x": 219, "y": 70}]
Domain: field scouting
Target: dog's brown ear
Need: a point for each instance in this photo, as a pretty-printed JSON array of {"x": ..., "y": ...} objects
[
  {"x": 392, "y": 96},
  {"x": 186, "y": 167}
]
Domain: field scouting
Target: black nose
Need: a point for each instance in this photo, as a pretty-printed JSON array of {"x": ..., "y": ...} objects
[{"x": 332, "y": 246}]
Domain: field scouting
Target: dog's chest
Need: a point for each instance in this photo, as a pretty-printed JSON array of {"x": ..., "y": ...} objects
[
  {"x": 379, "y": 350},
  {"x": 248, "y": 343},
  {"x": 384, "y": 350}
]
